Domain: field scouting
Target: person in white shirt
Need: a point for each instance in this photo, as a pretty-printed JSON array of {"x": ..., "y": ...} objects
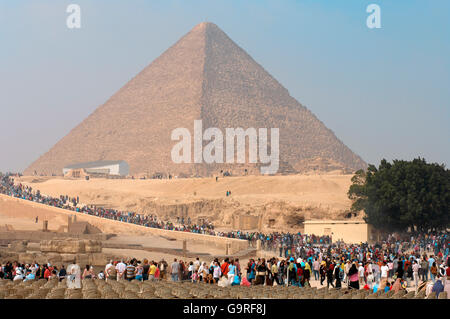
[
  {"x": 391, "y": 268},
  {"x": 361, "y": 274},
  {"x": 120, "y": 268},
  {"x": 196, "y": 264},
  {"x": 203, "y": 271},
  {"x": 384, "y": 275},
  {"x": 19, "y": 275},
  {"x": 217, "y": 272},
  {"x": 347, "y": 267},
  {"x": 415, "y": 268},
  {"x": 108, "y": 269}
]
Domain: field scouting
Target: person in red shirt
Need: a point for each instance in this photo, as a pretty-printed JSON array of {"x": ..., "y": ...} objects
[
  {"x": 224, "y": 267},
  {"x": 47, "y": 273}
]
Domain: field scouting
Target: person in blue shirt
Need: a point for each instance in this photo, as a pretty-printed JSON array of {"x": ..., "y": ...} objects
[{"x": 29, "y": 276}]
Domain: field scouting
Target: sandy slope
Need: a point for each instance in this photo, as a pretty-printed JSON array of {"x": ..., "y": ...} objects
[{"x": 291, "y": 197}]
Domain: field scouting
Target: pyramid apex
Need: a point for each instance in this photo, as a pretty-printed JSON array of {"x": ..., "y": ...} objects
[{"x": 205, "y": 25}]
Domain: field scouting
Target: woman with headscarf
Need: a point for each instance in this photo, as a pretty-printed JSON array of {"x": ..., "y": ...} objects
[
  {"x": 399, "y": 272},
  {"x": 251, "y": 271},
  {"x": 397, "y": 285},
  {"x": 353, "y": 277},
  {"x": 322, "y": 271},
  {"x": 261, "y": 271},
  {"x": 307, "y": 274},
  {"x": 337, "y": 275},
  {"x": 330, "y": 270}
]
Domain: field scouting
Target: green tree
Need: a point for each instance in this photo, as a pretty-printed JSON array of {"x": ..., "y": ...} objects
[{"x": 403, "y": 194}]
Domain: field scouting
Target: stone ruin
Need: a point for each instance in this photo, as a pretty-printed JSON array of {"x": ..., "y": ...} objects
[
  {"x": 57, "y": 252},
  {"x": 82, "y": 251},
  {"x": 80, "y": 228}
]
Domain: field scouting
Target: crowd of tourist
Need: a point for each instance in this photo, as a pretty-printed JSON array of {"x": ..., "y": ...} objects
[
  {"x": 390, "y": 265},
  {"x": 8, "y": 187},
  {"x": 283, "y": 241},
  {"x": 395, "y": 263}
]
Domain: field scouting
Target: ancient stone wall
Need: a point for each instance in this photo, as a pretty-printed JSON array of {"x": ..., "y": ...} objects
[{"x": 15, "y": 206}]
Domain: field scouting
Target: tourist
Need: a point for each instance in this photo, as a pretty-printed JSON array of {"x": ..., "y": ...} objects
[
  {"x": 232, "y": 271},
  {"x": 292, "y": 272},
  {"x": 224, "y": 266},
  {"x": 121, "y": 267},
  {"x": 415, "y": 269},
  {"x": 338, "y": 275},
  {"x": 438, "y": 287},
  {"x": 175, "y": 267},
  {"x": 424, "y": 268},
  {"x": 447, "y": 283},
  {"x": 261, "y": 270},
  {"x": 145, "y": 269},
  {"x": 388, "y": 287},
  {"x": 48, "y": 271},
  {"x": 111, "y": 271},
  {"x": 190, "y": 270},
  {"x": 433, "y": 272},
  {"x": 316, "y": 267},
  {"x": 274, "y": 271},
  {"x": 330, "y": 270},
  {"x": 101, "y": 275},
  {"x": 347, "y": 267},
  {"x": 18, "y": 275},
  {"x": 397, "y": 285},
  {"x": 74, "y": 276},
  {"x": 62, "y": 273},
  {"x": 30, "y": 275},
  {"x": 353, "y": 276},
  {"x": 361, "y": 271},
  {"x": 138, "y": 272},
  {"x": 131, "y": 270},
  {"x": 322, "y": 271},
  {"x": 384, "y": 272},
  {"x": 162, "y": 267},
  {"x": 86, "y": 273},
  {"x": 217, "y": 272},
  {"x": 152, "y": 271}
]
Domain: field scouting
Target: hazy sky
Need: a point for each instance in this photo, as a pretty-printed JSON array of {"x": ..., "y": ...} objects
[{"x": 384, "y": 92}]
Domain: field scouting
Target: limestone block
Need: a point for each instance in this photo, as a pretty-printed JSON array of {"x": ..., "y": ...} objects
[
  {"x": 46, "y": 246},
  {"x": 98, "y": 259},
  {"x": 93, "y": 246},
  {"x": 82, "y": 259},
  {"x": 19, "y": 246},
  {"x": 68, "y": 258},
  {"x": 54, "y": 258},
  {"x": 27, "y": 258},
  {"x": 67, "y": 246}
]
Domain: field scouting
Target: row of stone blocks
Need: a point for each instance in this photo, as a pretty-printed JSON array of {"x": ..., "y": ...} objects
[{"x": 71, "y": 246}]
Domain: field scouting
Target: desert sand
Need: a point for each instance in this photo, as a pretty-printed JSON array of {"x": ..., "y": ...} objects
[{"x": 287, "y": 200}]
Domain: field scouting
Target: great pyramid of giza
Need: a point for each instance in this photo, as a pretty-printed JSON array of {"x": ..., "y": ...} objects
[{"x": 206, "y": 76}]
